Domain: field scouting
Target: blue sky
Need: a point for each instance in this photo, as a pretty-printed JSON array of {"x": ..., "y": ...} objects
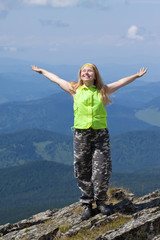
[{"x": 79, "y": 31}]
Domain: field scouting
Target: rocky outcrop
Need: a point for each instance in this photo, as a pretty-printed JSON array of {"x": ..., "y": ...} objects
[{"x": 135, "y": 219}]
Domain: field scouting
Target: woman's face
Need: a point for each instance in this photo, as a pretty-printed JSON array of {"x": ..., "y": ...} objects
[{"x": 88, "y": 75}]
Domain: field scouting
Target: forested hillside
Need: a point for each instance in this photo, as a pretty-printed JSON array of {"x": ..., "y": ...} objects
[
  {"x": 32, "y": 145},
  {"x": 38, "y": 186},
  {"x": 136, "y": 150},
  {"x": 130, "y": 151}
]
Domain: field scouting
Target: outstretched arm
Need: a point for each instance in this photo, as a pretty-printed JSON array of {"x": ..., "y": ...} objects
[
  {"x": 54, "y": 78},
  {"x": 125, "y": 81}
]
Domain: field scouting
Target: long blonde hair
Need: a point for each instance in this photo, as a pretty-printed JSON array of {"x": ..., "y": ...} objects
[{"x": 98, "y": 83}]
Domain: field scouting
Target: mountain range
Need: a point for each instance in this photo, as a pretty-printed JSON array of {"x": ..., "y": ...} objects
[
  {"x": 130, "y": 151},
  {"x": 36, "y": 140},
  {"x": 55, "y": 113}
]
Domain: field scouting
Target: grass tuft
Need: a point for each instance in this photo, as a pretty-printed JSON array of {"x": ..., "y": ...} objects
[{"x": 97, "y": 231}]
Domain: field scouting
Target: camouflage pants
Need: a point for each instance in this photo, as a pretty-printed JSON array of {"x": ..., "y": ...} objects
[{"x": 92, "y": 163}]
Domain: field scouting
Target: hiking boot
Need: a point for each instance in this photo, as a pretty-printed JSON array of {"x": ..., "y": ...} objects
[
  {"x": 87, "y": 211},
  {"x": 103, "y": 208}
]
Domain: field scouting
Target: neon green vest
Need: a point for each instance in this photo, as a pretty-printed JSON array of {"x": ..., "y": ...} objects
[{"x": 89, "y": 110}]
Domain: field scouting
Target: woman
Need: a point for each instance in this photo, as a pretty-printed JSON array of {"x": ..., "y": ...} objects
[{"x": 92, "y": 160}]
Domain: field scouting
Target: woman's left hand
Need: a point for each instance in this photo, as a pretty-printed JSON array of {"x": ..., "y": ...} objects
[
  {"x": 142, "y": 72},
  {"x": 36, "y": 69}
]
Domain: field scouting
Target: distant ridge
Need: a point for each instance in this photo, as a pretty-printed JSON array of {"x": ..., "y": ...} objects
[{"x": 55, "y": 113}]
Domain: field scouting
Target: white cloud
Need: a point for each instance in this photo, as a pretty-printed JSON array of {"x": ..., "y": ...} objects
[
  {"x": 36, "y": 2},
  {"x": 53, "y": 3},
  {"x": 102, "y": 4},
  {"x": 7, "y": 5},
  {"x": 133, "y": 33}
]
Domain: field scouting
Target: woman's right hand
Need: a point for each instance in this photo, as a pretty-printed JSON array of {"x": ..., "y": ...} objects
[
  {"x": 65, "y": 85},
  {"x": 36, "y": 69}
]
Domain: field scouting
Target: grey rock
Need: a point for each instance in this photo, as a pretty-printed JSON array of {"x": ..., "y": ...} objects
[
  {"x": 34, "y": 220},
  {"x": 143, "y": 216},
  {"x": 144, "y": 227}
]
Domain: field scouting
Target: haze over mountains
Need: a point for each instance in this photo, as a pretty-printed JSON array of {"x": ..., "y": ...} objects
[{"x": 19, "y": 82}]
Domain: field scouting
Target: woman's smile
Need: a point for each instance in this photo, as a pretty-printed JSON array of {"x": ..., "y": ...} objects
[{"x": 88, "y": 75}]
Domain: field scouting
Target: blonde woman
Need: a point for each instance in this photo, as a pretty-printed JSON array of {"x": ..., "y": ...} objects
[{"x": 92, "y": 158}]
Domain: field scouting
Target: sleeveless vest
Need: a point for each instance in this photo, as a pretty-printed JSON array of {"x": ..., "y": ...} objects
[{"x": 89, "y": 110}]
